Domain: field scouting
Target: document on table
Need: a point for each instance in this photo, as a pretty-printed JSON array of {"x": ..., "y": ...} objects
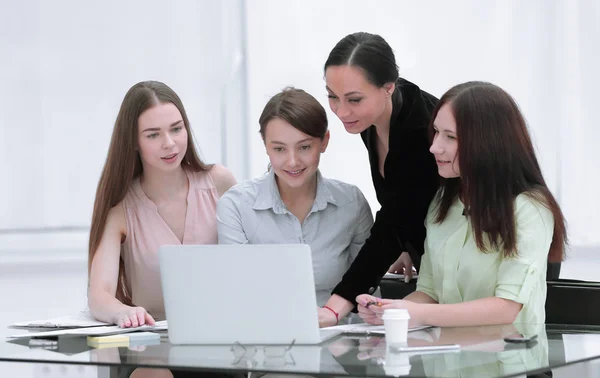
[
  {"x": 367, "y": 329},
  {"x": 400, "y": 277},
  {"x": 92, "y": 331},
  {"x": 79, "y": 320}
]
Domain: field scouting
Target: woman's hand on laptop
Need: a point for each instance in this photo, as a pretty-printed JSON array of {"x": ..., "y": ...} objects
[
  {"x": 326, "y": 317},
  {"x": 133, "y": 317}
]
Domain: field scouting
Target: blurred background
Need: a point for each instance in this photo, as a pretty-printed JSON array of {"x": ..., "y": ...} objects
[{"x": 67, "y": 64}]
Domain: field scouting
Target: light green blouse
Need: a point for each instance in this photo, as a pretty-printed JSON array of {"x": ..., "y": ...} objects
[{"x": 453, "y": 270}]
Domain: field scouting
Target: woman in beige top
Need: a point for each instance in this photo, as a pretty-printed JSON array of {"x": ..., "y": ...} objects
[{"x": 154, "y": 190}]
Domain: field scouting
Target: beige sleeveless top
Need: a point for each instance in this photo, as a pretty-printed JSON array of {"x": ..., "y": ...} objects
[{"x": 147, "y": 231}]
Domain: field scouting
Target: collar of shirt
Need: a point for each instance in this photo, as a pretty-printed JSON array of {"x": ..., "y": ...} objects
[{"x": 269, "y": 197}]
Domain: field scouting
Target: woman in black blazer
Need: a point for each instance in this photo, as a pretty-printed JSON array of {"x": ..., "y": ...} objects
[{"x": 391, "y": 115}]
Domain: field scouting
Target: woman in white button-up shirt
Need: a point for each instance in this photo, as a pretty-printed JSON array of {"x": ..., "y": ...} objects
[{"x": 293, "y": 202}]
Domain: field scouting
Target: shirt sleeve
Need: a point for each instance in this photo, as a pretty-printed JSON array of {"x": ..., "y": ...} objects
[
  {"x": 520, "y": 275},
  {"x": 229, "y": 220},
  {"x": 364, "y": 224}
]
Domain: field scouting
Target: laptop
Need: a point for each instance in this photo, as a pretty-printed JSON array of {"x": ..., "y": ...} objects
[{"x": 240, "y": 293}]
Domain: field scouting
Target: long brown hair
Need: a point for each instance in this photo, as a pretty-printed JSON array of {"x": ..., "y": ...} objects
[
  {"x": 123, "y": 163},
  {"x": 497, "y": 162}
]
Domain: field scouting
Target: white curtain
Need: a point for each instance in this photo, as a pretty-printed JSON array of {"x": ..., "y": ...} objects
[
  {"x": 577, "y": 81},
  {"x": 66, "y": 66},
  {"x": 545, "y": 53}
]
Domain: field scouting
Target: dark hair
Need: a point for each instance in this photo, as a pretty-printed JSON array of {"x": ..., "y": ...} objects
[
  {"x": 297, "y": 108},
  {"x": 123, "y": 163},
  {"x": 497, "y": 162},
  {"x": 370, "y": 52}
]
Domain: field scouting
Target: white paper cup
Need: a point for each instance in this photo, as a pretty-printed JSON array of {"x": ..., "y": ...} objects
[{"x": 396, "y": 326}]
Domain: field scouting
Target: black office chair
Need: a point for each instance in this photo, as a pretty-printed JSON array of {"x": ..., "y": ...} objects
[
  {"x": 567, "y": 306},
  {"x": 568, "y": 302},
  {"x": 553, "y": 272}
]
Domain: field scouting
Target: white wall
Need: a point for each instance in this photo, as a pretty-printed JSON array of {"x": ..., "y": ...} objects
[
  {"x": 66, "y": 66},
  {"x": 577, "y": 79},
  {"x": 537, "y": 50}
]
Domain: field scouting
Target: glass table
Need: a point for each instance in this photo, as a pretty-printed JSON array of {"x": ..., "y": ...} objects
[{"x": 483, "y": 353}]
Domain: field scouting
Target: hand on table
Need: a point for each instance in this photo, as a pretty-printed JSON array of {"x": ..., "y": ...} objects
[
  {"x": 133, "y": 317},
  {"x": 326, "y": 317}
]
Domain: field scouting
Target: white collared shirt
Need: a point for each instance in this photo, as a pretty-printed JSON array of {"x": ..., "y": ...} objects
[{"x": 336, "y": 227}]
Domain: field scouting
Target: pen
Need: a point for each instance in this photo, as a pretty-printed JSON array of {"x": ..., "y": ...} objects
[{"x": 374, "y": 303}]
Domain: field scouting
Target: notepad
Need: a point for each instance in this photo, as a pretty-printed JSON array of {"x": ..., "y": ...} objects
[
  {"x": 130, "y": 337},
  {"x": 112, "y": 339},
  {"x": 127, "y": 340},
  {"x": 79, "y": 320}
]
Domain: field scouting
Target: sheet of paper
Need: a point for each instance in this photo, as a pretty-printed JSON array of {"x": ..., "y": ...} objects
[
  {"x": 78, "y": 320},
  {"x": 360, "y": 328},
  {"x": 365, "y": 328},
  {"x": 93, "y": 331},
  {"x": 394, "y": 276}
]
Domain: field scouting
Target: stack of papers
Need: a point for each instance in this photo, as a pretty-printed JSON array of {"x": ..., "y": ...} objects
[
  {"x": 93, "y": 331},
  {"x": 79, "y": 320}
]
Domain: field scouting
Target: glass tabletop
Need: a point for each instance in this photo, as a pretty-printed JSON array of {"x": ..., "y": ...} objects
[{"x": 483, "y": 353}]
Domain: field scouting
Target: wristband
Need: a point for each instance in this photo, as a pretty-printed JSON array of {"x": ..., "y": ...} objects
[{"x": 337, "y": 316}]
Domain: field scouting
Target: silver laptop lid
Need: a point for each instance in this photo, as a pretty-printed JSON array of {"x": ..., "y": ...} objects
[{"x": 251, "y": 294}]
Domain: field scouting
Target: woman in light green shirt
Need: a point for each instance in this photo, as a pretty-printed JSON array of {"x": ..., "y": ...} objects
[{"x": 493, "y": 225}]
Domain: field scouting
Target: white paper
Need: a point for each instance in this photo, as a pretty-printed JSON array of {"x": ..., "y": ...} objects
[
  {"x": 395, "y": 276},
  {"x": 365, "y": 328},
  {"x": 79, "y": 320},
  {"x": 93, "y": 331}
]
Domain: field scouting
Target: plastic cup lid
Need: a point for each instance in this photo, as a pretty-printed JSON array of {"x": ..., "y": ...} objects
[{"x": 396, "y": 313}]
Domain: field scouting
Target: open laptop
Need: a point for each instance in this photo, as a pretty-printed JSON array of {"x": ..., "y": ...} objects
[{"x": 248, "y": 294}]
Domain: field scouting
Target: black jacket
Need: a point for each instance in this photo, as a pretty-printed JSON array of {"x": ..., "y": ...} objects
[{"x": 411, "y": 181}]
